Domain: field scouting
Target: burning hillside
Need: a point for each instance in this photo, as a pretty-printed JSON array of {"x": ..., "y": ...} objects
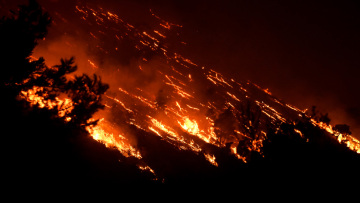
[{"x": 158, "y": 93}]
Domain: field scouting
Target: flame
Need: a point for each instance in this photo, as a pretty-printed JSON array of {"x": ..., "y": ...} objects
[
  {"x": 92, "y": 64},
  {"x": 63, "y": 106},
  {"x": 147, "y": 168},
  {"x": 233, "y": 149},
  {"x": 183, "y": 121},
  {"x": 350, "y": 141},
  {"x": 211, "y": 159},
  {"x": 187, "y": 144},
  {"x": 120, "y": 142},
  {"x": 165, "y": 128},
  {"x": 190, "y": 126}
]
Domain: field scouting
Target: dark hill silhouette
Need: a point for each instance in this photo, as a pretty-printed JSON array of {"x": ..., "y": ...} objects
[{"x": 38, "y": 146}]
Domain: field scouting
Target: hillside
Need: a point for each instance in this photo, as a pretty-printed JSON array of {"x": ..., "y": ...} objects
[{"x": 163, "y": 119}]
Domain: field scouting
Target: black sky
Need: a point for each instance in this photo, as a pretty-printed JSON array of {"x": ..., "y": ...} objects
[{"x": 306, "y": 52}]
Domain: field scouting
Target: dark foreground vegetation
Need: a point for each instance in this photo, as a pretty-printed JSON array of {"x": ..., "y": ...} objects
[{"x": 39, "y": 149}]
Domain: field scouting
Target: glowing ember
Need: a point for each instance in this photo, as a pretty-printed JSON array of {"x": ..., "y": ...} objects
[
  {"x": 350, "y": 141},
  {"x": 211, "y": 159},
  {"x": 190, "y": 126},
  {"x": 188, "y": 144},
  {"x": 63, "y": 106},
  {"x": 110, "y": 140},
  {"x": 187, "y": 105}
]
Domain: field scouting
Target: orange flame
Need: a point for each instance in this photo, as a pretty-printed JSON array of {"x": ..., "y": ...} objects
[
  {"x": 211, "y": 159},
  {"x": 119, "y": 142},
  {"x": 64, "y": 106},
  {"x": 190, "y": 126},
  {"x": 350, "y": 141},
  {"x": 184, "y": 116}
]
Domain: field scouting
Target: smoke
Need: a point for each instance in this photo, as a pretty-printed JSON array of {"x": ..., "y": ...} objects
[{"x": 303, "y": 54}]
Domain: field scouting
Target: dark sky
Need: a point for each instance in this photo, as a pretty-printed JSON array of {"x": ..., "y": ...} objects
[{"x": 306, "y": 52}]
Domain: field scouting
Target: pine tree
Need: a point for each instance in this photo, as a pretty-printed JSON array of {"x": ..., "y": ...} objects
[{"x": 19, "y": 34}]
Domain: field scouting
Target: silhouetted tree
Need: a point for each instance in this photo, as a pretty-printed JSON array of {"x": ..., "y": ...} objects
[
  {"x": 19, "y": 35},
  {"x": 343, "y": 129},
  {"x": 325, "y": 118},
  {"x": 86, "y": 93},
  {"x": 318, "y": 116},
  {"x": 52, "y": 79},
  {"x": 314, "y": 112},
  {"x": 161, "y": 99},
  {"x": 249, "y": 115},
  {"x": 225, "y": 125}
]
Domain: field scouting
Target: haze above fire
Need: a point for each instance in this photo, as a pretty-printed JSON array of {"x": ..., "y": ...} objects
[
  {"x": 304, "y": 51},
  {"x": 155, "y": 88}
]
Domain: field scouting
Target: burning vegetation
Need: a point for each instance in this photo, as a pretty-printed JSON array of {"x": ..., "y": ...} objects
[{"x": 189, "y": 108}]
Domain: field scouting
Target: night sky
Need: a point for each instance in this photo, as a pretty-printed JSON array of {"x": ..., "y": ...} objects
[{"x": 305, "y": 52}]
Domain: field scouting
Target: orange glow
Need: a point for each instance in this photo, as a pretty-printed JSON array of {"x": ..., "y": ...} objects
[
  {"x": 110, "y": 140},
  {"x": 92, "y": 64},
  {"x": 63, "y": 106},
  {"x": 190, "y": 126},
  {"x": 174, "y": 136},
  {"x": 195, "y": 97},
  {"x": 350, "y": 141},
  {"x": 147, "y": 168},
  {"x": 234, "y": 152},
  {"x": 211, "y": 159}
]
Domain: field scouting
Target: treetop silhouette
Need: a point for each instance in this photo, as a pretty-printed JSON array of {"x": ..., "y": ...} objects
[{"x": 19, "y": 35}]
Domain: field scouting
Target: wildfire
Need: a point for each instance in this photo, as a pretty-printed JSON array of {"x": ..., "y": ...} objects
[
  {"x": 63, "y": 106},
  {"x": 190, "y": 126},
  {"x": 189, "y": 115},
  {"x": 188, "y": 144},
  {"x": 211, "y": 159},
  {"x": 110, "y": 140},
  {"x": 350, "y": 141},
  {"x": 92, "y": 64}
]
